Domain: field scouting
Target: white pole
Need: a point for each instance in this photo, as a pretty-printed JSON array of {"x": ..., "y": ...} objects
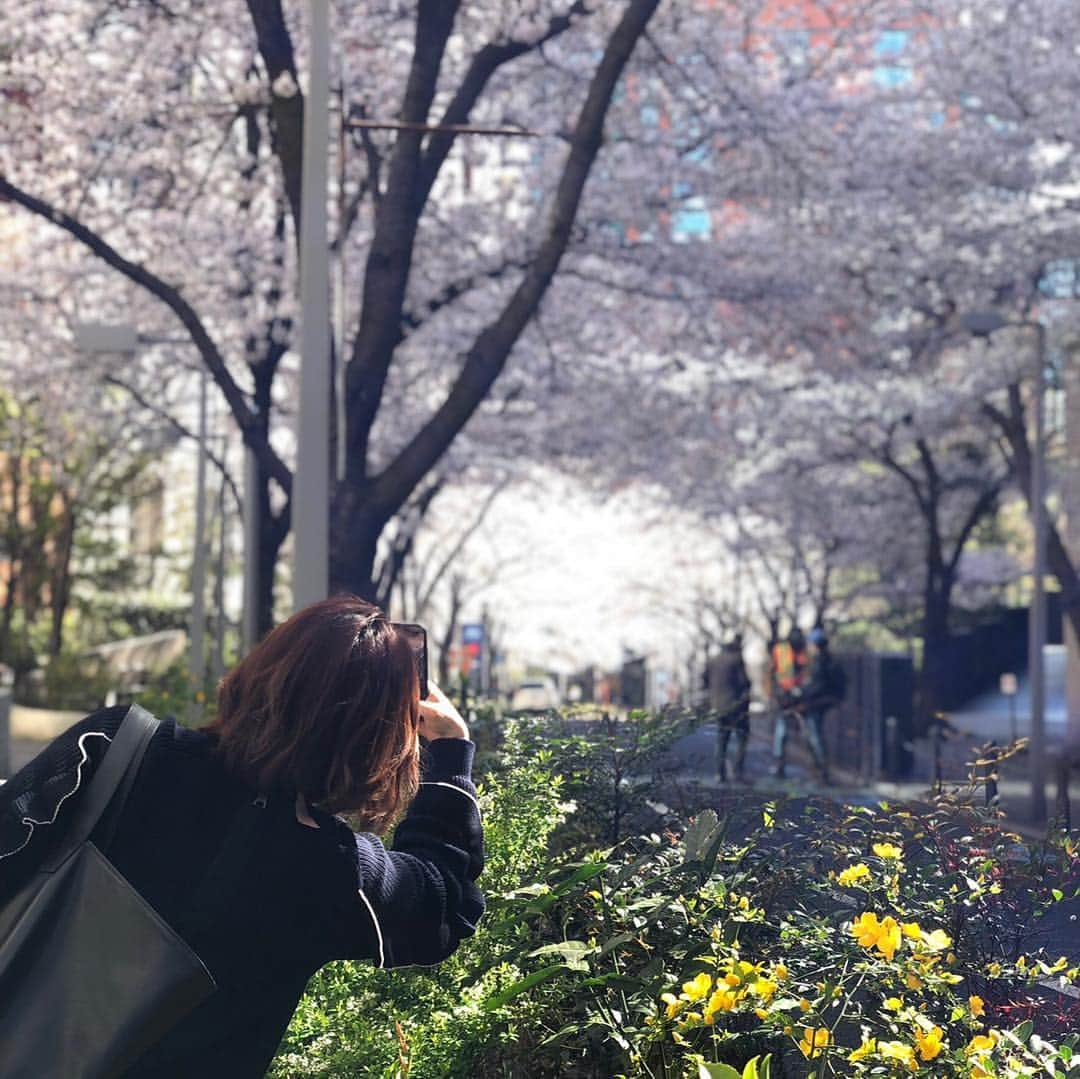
[
  {"x": 217, "y": 661},
  {"x": 311, "y": 485},
  {"x": 1037, "y": 622},
  {"x": 250, "y": 628},
  {"x": 340, "y": 268},
  {"x": 197, "y": 662}
]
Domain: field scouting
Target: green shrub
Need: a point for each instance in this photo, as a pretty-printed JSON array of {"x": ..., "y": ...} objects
[
  {"x": 72, "y": 681},
  {"x": 835, "y": 942},
  {"x": 798, "y": 940},
  {"x": 432, "y": 1024}
]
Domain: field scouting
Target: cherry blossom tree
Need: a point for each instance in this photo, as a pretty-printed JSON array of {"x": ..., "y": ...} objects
[{"x": 184, "y": 185}]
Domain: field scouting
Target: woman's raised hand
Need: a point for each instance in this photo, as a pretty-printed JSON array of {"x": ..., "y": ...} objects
[{"x": 439, "y": 718}]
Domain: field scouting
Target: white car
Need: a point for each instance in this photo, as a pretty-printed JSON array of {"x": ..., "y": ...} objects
[{"x": 535, "y": 697}]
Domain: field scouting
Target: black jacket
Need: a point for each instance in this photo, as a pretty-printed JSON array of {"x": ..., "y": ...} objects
[{"x": 284, "y": 900}]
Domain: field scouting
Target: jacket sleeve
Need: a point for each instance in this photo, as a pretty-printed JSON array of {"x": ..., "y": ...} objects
[{"x": 420, "y": 896}]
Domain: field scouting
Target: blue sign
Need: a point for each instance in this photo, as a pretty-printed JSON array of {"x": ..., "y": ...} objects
[{"x": 472, "y": 633}]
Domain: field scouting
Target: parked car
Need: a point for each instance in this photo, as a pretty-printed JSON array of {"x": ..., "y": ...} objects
[{"x": 535, "y": 697}]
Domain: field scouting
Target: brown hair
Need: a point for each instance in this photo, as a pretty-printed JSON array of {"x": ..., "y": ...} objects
[{"x": 326, "y": 706}]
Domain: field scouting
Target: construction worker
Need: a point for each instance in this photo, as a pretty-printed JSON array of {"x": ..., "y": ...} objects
[{"x": 788, "y": 670}]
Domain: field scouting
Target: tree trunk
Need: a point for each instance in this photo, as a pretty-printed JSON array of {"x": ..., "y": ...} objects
[
  {"x": 934, "y": 670},
  {"x": 60, "y": 585},
  {"x": 447, "y": 640},
  {"x": 354, "y": 542},
  {"x": 1058, "y": 560}
]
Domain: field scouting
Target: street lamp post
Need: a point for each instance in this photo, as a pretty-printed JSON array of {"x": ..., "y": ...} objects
[
  {"x": 983, "y": 324},
  {"x": 311, "y": 486}
]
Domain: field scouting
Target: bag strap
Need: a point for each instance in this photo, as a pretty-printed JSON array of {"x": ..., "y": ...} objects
[{"x": 116, "y": 771}]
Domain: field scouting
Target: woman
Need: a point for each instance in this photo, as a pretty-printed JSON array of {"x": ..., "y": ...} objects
[{"x": 229, "y": 832}]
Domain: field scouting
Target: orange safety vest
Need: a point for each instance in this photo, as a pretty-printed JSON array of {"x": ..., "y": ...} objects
[{"x": 788, "y": 666}]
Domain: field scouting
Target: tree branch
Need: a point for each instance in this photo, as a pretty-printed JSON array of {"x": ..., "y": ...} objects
[
  {"x": 172, "y": 299},
  {"x": 489, "y": 353},
  {"x": 185, "y": 432},
  {"x": 286, "y": 110},
  {"x": 483, "y": 66},
  {"x": 397, "y": 218}
]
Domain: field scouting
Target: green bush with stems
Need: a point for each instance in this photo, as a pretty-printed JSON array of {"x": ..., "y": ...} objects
[
  {"x": 434, "y": 1024},
  {"x": 796, "y": 939}
]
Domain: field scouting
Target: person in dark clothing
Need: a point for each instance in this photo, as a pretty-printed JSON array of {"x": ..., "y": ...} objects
[
  {"x": 824, "y": 689},
  {"x": 230, "y": 832},
  {"x": 729, "y": 692}
]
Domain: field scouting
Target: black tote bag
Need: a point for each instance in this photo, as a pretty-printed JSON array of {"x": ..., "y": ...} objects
[{"x": 90, "y": 975}]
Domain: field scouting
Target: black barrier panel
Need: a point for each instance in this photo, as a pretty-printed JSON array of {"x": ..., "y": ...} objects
[
  {"x": 632, "y": 684},
  {"x": 870, "y": 733},
  {"x": 977, "y": 657}
]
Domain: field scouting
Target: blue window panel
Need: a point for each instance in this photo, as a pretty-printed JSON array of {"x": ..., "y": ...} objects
[
  {"x": 699, "y": 155},
  {"x": 891, "y": 77},
  {"x": 691, "y": 222},
  {"x": 891, "y": 42},
  {"x": 1061, "y": 279}
]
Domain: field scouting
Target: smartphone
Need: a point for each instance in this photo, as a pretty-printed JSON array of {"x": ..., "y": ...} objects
[{"x": 417, "y": 637}]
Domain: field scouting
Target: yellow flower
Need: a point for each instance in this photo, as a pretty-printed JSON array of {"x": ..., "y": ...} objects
[
  {"x": 698, "y": 988},
  {"x": 884, "y": 935},
  {"x": 889, "y": 937},
  {"x": 993, "y": 969},
  {"x": 911, "y": 930},
  {"x": 866, "y": 929},
  {"x": 982, "y": 1043},
  {"x": 868, "y": 1048},
  {"x": 898, "y": 1051},
  {"x": 937, "y": 940},
  {"x": 761, "y": 1013},
  {"x": 732, "y": 979},
  {"x": 893, "y": 1004},
  {"x": 764, "y": 989},
  {"x": 1021, "y": 963},
  {"x": 929, "y": 1042},
  {"x": 853, "y": 873},
  {"x": 814, "y": 1041},
  {"x": 780, "y": 972},
  {"x": 674, "y": 1005},
  {"x": 888, "y": 851},
  {"x": 723, "y": 1000},
  {"x": 976, "y": 1006},
  {"x": 804, "y": 1004}
]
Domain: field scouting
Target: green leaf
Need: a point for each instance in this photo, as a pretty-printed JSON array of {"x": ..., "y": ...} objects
[
  {"x": 522, "y": 986},
  {"x": 758, "y": 1068},
  {"x": 699, "y": 833},
  {"x": 574, "y": 952},
  {"x": 1057, "y": 893},
  {"x": 614, "y": 942},
  {"x": 1023, "y": 1031},
  {"x": 717, "y": 1071}
]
